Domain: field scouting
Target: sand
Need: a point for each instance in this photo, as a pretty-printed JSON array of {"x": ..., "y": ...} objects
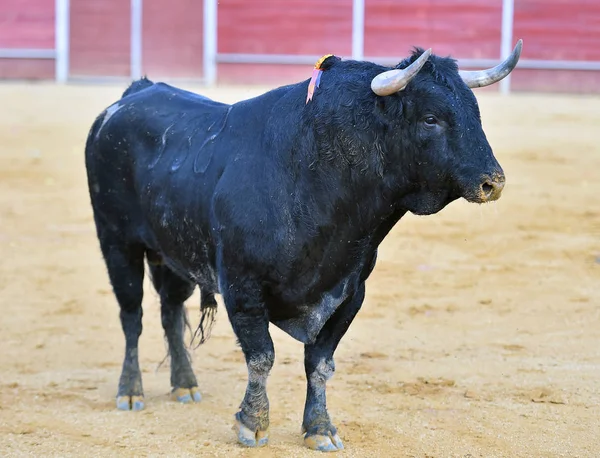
[{"x": 479, "y": 336}]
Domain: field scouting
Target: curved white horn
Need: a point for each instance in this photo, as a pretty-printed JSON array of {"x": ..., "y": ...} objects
[
  {"x": 492, "y": 75},
  {"x": 387, "y": 83}
]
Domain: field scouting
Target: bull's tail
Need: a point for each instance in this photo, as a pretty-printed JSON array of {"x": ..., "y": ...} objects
[
  {"x": 208, "y": 312},
  {"x": 137, "y": 86}
]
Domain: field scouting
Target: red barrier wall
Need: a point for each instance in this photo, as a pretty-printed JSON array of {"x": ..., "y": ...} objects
[
  {"x": 558, "y": 30},
  {"x": 26, "y": 24},
  {"x": 100, "y": 31},
  {"x": 28, "y": 69},
  {"x": 172, "y": 36},
  {"x": 301, "y": 27},
  {"x": 461, "y": 28}
]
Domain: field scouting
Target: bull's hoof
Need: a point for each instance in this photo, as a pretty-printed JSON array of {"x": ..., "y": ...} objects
[
  {"x": 134, "y": 403},
  {"x": 248, "y": 437},
  {"x": 187, "y": 395},
  {"x": 322, "y": 443}
]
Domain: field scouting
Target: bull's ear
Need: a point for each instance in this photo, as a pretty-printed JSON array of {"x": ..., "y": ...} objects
[
  {"x": 382, "y": 103},
  {"x": 389, "y": 108}
]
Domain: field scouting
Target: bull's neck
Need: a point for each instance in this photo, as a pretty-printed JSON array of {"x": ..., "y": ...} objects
[
  {"x": 345, "y": 168},
  {"x": 361, "y": 198}
]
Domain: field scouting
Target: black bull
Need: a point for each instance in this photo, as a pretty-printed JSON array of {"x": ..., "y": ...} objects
[{"x": 279, "y": 205}]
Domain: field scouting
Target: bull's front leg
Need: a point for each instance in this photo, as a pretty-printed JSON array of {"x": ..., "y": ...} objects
[
  {"x": 249, "y": 319},
  {"x": 319, "y": 366}
]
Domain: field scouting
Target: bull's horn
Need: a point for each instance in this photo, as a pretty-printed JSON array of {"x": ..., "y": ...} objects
[
  {"x": 483, "y": 78},
  {"x": 387, "y": 83}
]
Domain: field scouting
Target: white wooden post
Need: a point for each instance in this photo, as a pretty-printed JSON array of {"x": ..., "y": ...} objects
[
  {"x": 61, "y": 40},
  {"x": 506, "y": 45},
  {"x": 135, "y": 41},
  {"x": 358, "y": 29},
  {"x": 210, "y": 42}
]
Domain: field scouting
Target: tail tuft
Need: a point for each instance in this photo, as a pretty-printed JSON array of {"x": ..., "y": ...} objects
[{"x": 208, "y": 313}]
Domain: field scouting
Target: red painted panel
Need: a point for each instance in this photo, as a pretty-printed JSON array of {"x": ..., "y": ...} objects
[
  {"x": 172, "y": 38},
  {"x": 556, "y": 81},
  {"x": 100, "y": 37},
  {"x": 27, "y": 24},
  {"x": 460, "y": 28},
  {"x": 559, "y": 29},
  {"x": 285, "y": 27},
  {"x": 26, "y": 69},
  {"x": 263, "y": 74}
]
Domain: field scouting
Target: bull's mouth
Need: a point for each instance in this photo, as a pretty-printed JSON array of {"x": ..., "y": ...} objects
[{"x": 428, "y": 202}]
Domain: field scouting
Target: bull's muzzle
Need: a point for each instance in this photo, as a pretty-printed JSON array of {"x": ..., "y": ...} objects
[{"x": 491, "y": 187}]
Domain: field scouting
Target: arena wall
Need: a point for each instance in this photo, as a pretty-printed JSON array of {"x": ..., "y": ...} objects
[
  {"x": 27, "y": 24},
  {"x": 254, "y": 38}
]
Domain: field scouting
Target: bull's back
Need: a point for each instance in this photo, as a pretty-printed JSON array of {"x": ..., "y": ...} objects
[
  {"x": 155, "y": 159},
  {"x": 155, "y": 128}
]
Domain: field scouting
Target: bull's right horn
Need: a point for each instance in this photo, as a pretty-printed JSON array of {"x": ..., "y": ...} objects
[{"x": 387, "y": 83}]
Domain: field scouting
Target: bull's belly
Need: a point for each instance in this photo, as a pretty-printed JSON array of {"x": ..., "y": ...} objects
[
  {"x": 308, "y": 320},
  {"x": 302, "y": 321}
]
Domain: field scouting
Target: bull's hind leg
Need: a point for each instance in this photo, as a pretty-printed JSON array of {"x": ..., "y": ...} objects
[
  {"x": 248, "y": 315},
  {"x": 125, "y": 265},
  {"x": 319, "y": 366},
  {"x": 174, "y": 291}
]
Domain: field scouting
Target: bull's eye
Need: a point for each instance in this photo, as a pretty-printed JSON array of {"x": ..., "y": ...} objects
[{"x": 430, "y": 120}]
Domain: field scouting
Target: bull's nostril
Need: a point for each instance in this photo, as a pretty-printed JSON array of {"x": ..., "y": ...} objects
[
  {"x": 487, "y": 188},
  {"x": 490, "y": 188}
]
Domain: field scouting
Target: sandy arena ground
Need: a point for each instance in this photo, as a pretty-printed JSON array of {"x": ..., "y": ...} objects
[{"x": 480, "y": 335}]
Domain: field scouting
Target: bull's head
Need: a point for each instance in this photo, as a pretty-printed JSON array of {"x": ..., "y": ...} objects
[{"x": 451, "y": 155}]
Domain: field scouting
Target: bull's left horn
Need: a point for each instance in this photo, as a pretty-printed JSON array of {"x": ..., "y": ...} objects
[
  {"x": 387, "y": 83},
  {"x": 483, "y": 78}
]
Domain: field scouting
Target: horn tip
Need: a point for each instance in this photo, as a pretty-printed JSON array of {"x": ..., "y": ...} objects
[
  {"x": 516, "y": 54},
  {"x": 519, "y": 44},
  {"x": 425, "y": 55}
]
